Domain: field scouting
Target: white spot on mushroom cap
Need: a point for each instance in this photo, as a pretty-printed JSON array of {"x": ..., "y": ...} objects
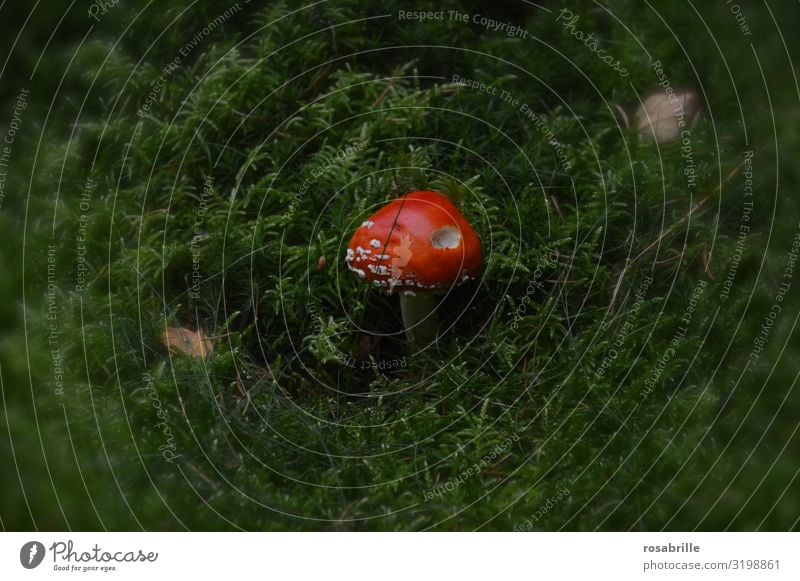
[
  {"x": 380, "y": 269},
  {"x": 446, "y": 237},
  {"x": 375, "y": 243},
  {"x": 368, "y": 224},
  {"x": 359, "y": 272}
]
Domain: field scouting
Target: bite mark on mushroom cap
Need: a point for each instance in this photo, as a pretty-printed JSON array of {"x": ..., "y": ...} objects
[{"x": 446, "y": 237}]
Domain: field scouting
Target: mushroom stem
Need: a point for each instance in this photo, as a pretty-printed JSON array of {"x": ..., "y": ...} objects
[{"x": 419, "y": 316}]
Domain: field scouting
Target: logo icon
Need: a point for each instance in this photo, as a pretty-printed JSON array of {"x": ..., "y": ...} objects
[{"x": 31, "y": 554}]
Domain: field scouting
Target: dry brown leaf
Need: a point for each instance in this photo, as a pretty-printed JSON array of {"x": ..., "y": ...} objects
[
  {"x": 183, "y": 341},
  {"x": 657, "y": 118}
]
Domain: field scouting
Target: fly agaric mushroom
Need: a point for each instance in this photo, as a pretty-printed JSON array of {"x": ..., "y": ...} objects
[{"x": 418, "y": 245}]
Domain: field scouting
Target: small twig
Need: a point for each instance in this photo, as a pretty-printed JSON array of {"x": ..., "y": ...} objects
[
  {"x": 617, "y": 286},
  {"x": 624, "y": 116},
  {"x": 323, "y": 74},
  {"x": 707, "y": 263},
  {"x": 675, "y": 256},
  {"x": 202, "y": 476},
  {"x": 382, "y": 96},
  {"x": 557, "y": 207}
]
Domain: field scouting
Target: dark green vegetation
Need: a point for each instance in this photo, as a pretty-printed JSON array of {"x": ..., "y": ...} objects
[{"x": 580, "y": 361}]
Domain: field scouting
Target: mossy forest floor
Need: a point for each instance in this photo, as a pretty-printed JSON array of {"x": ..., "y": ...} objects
[{"x": 626, "y": 360}]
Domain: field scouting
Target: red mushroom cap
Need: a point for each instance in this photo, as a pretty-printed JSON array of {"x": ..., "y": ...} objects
[{"x": 419, "y": 242}]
